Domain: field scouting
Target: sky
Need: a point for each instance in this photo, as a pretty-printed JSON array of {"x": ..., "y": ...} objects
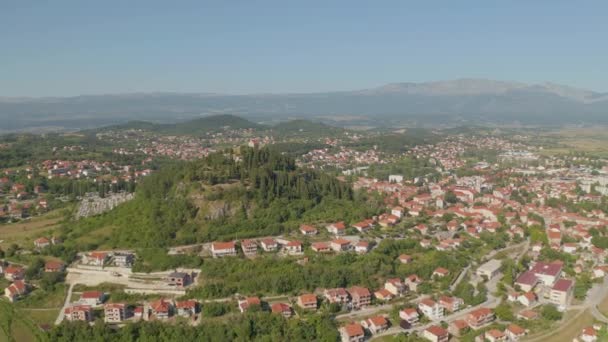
[{"x": 68, "y": 48}]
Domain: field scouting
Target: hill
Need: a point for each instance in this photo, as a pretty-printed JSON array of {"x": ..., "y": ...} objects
[
  {"x": 305, "y": 128},
  {"x": 221, "y": 197},
  {"x": 191, "y": 127}
]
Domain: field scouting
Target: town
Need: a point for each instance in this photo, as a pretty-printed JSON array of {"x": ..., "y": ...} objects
[{"x": 486, "y": 239}]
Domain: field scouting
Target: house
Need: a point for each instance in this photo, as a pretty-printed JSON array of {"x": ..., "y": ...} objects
[
  {"x": 431, "y": 309},
  {"x": 337, "y": 295},
  {"x": 249, "y": 302},
  {"x": 249, "y": 247},
  {"x": 222, "y": 249},
  {"x": 527, "y": 299},
  {"x": 360, "y": 297},
  {"x": 320, "y": 247},
  {"x": 451, "y": 304},
  {"x": 479, "y": 317},
  {"x": 352, "y": 333},
  {"x": 547, "y": 273},
  {"x": 42, "y": 242},
  {"x": 79, "y": 313},
  {"x": 495, "y": 335},
  {"x": 440, "y": 272},
  {"x": 526, "y": 281},
  {"x": 282, "y": 309},
  {"x": 186, "y": 308},
  {"x": 92, "y": 298},
  {"x": 293, "y": 247},
  {"x": 514, "y": 332},
  {"x": 179, "y": 279},
  {"x": 435, "y": 333},
  {"x": 458, "y": 327},
  {"x": 362, "y": 247},
  {"x": 13, "y": 273},
  {"x": 307, "y": 301},
  {"x": 490, "y": 269},
  {"x": 409, "y": 315},
  {"x": 384, "y": 294},
  {"x": 114, "y": 312},
  {"x": 15, "y": 290},
  {"x": 95, "y": 258},
  {"x": 527, "y": 315},
  {"x": 395, "y": 286},
  {"x": 561, "y": 292},
  {"x": 123, "y": 259},
  {"x": 364, "y": 226},
  {"x": 405, "y": 259},
  {"x": 161, "y": 309},
  {"x": 269, "y": 245},
  {"x": 600, "y": 271},
  {"x": 138, "y": 312},
  {"x": 340, "y": 245},
  {"x": 337, "y": 228},
  {"x": 397, "y": 211},
  {"x": 570, "y": 247},
  {"x": 376, "y": 324},
  {"x": 589, "y": 334},
  {"x": 308, "y": 230},
  {"x": 54, "y": 266},
  {"x": 412, "y": 282}
]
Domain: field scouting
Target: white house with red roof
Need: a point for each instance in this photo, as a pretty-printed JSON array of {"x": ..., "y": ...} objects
[
  {"x": 409, "y": 315},
  {"x": 308, "y": 230},
  {"x": 92, "y": 298},
  {"x": 561, "y": 292},
  {"x": 222, "y": 249},
  {"x": 338, "y": 228},
  {"x": 16, "y": 290}
]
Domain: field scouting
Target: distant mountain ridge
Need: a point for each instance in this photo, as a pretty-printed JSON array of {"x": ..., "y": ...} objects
[{"x": 458, "y": 101}]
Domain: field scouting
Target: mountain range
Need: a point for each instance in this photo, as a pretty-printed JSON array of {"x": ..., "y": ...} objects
[{"x": 454, "y": 102}]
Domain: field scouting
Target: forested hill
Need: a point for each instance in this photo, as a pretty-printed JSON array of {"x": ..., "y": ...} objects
[
  {"x": 191, "y": 127},
  {"x": 235, "y": 194},
  {"x": 215, "y": 123}
]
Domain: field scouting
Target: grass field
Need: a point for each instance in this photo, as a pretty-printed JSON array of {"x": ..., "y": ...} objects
[
  {"x": 24, "y": 232},
  {"x": 590, "y": 140},
  {"x": 603, "y": 306},
  {"x": 570, "y": 327},
  {"x": 16, "y": 325}
]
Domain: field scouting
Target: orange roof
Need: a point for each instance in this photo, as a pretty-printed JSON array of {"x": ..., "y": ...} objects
[
  {"x": 222, "y": 245},
  {"x": 378, "y": 320},
  {"x": 341, "y": 241},
  {"x": 437, "y": 330},
  {"x": 495, "y": 333},
  {"x": 353, "y": 329},
  {"x": 460, "y": 324},
  {"x": 516, "y": 329},
  {"x": 308, "y": 298},
  {"x": 359, "y": 291},
  {"x": 186, "y": 304},
  {"x": 280, "y": 307}
]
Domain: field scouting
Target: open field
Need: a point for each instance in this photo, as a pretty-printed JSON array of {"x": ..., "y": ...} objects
[
  {"x": 25, "y": 231},
  {"x": 570, "y": 327},
  {"x": 593, "y": 141},
  {"x": 16, "y": 325}
]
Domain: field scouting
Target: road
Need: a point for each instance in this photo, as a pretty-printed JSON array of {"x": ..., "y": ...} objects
[{"x": 66, "y": 304}]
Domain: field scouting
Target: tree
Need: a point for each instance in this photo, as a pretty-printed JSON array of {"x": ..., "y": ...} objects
[
  {"x": 504, "y": 312},
  {"x": 550, "y": 312}
]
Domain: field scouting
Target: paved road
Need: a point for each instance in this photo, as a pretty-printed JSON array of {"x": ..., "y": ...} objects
[{"x": 65, "y": 305}]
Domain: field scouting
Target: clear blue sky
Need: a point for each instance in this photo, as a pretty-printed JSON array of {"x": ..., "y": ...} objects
[{"x": 62, "y": 48}]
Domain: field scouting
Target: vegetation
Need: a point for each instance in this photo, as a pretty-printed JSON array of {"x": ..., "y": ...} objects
[{"x": 258, "y": 326}]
